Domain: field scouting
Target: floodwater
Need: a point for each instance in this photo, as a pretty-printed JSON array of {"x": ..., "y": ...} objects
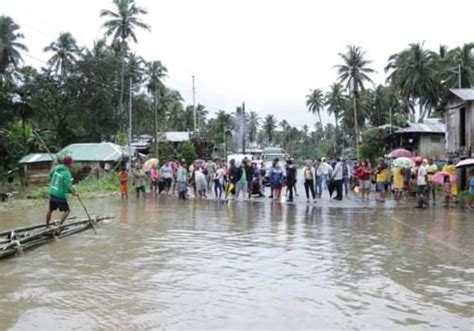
[{"x": 170, "y": 264}]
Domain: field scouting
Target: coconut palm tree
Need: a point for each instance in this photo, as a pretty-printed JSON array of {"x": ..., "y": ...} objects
[
  {"x": 269, "y": 126},
  {"x": 155, "y": 73},
  {"x": 315, "y": 102},
  {"x": 354, "y": 72},
  {"x": 122, "y": 24},
  {"x": 10, "y": 47},
  {"x": 254, "y": 123},
  {"x": 413, "y": 75},
  {"x": 65, "y": 52},
  {"x": 335, "y": 102},
  {"x": 462, "y": 66}
]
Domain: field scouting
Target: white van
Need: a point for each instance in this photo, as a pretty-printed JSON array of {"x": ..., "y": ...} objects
[{"x": 238, "y": 158}]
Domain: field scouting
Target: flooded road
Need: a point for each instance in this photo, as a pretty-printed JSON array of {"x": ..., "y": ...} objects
[{"x": 208, "y": 265}]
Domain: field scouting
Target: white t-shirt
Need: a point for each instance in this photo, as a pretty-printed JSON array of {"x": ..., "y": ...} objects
[
  {"x": 219, "y": 175},
  {"x": 421, "y": 176},
  {"x": 337, "y": 173}
]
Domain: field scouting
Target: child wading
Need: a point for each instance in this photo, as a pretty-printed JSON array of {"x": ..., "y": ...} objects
[
  {"x": 60, "y": 185},
  {"x": 139, "y": 179},
  {"x": 154, "y": 176},
  {"x": 182, "y": 181},
  {"x": 123, "y": 180},
  {"x": 447, "y": 191}
]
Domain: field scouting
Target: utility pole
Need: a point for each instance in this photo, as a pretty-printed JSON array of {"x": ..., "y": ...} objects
[
  {"x": 130, "y": 128},
  {"x": 225, "y": 144},
  {"x": 194, "y": 106},
  {"x": 459, "y": 76},
  {"x": 243, "y": 127}
]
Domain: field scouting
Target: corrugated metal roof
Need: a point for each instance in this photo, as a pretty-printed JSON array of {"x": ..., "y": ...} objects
[
  {"x": 36, "y": 158},
  {"x": 424, "y": 128},
  {"x": 174, "y": 136},
  {"x": 106, "y": 152},
  {"x": 465, "y": 94}
]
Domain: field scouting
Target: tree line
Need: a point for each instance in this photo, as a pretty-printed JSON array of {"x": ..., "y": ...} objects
[
  {"x": 82, "y": 94},
  {"x": 416, "y": 88}
]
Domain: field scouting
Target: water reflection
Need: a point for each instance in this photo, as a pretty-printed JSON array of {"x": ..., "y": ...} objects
[{"x": 207, "y": 264}]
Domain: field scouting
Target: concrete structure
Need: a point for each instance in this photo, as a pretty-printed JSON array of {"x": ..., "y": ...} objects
[
  {"x": 425, "y": 139},
  {"x": 460, "y": 123}
]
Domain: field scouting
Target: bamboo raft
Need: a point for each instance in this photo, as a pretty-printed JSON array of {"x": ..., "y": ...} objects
[{"x": 17, "y": 241}]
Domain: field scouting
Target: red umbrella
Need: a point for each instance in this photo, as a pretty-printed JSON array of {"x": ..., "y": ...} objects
[
  {"x": 438, "y": 177},
  {"x": 417, "y": 159},
  {"x": 399, "y": 152}
]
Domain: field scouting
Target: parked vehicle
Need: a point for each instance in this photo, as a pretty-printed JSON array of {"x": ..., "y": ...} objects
[{"x": 238, "y": 158}]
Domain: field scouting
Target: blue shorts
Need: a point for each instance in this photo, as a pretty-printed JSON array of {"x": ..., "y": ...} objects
[{"x": 380, "y": 186}]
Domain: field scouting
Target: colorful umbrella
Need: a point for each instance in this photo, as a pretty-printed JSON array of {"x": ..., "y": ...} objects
[
  {"x": 465, "y": 163},
  {"x": 199, "y": 163},
  {"x": 173, "y": 165},
  {"x": 403, "y": 162},
  {"x": 438, "y": 177},
  {"x": 150, "y": 163},
  {"x": 400, "y": 152},
  {"x": 417, "y": 159}
]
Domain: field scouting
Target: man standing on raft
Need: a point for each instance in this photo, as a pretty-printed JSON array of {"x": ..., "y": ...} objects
[{"x": 60, "y": 185}]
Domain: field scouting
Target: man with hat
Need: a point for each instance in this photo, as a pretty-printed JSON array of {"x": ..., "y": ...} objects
[{"x": 60, "y": 185}]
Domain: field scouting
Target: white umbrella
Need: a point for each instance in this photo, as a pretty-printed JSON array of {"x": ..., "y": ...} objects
[{"x": 465, "y": 163}]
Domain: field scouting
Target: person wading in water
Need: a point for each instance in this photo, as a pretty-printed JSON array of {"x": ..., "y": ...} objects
[
  {"x": 60, "y": 185},
  {"x": 290, "y": 179}
]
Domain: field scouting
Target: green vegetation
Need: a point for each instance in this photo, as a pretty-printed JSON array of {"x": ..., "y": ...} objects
[
  {"x": 92, "y": 185},
  {"x": 82, "y": 95},
  {"x": 186, "y": 151}
]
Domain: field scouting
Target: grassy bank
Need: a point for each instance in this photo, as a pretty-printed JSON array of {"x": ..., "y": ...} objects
[{"x": 89, "y": 187}]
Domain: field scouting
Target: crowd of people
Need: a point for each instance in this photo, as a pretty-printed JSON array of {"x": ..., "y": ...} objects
[{"x": 338, "y": 177}]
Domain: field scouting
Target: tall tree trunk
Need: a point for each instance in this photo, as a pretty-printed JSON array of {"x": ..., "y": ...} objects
[
  {"x": 336, "y": 140},
  {"x": 356, "y": 123},
  {"x": 155, "y": 124}
]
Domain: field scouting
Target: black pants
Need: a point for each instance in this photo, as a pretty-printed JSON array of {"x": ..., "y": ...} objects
[
  {"x": 338, "y": 187},
  {"x": 309, "y": 186},
  {"x": 290, "y": 188}
]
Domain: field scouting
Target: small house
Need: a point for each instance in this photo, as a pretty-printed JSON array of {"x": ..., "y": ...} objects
[
  {"x": 460, "y": 123},
  {"x": 98, "y": 157},
  {"x": 35, "y": 168},
  {"x": 425, "y": 139}
]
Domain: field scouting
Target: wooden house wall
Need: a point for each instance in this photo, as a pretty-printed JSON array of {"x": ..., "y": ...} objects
[
  {"x": 432, "y": 145},
  {"x": 36, "y": 174},
  {"x": 453, "y": 125}
]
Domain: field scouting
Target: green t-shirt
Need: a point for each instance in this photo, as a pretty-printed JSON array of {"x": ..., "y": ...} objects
[
  {"x": 61, "y": 181},
  {"x": 243, "y": 179}
]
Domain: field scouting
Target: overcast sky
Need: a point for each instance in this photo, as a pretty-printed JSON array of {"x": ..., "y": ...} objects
[{"x": 267, "y": 53}]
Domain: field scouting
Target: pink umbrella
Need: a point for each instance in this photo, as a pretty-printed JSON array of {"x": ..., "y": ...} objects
[
  {"x": 173, "y": 165},
  {"x": 399, "y": 152},
  {"x": 438, "y": 177}
]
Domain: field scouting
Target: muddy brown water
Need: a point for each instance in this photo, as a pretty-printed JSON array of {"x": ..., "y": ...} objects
[{"x": 169, "y": 264}]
